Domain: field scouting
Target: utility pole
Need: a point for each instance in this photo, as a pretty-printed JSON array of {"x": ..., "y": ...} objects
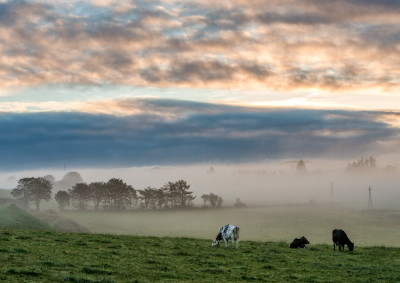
[{"x": 369, "y": 199}]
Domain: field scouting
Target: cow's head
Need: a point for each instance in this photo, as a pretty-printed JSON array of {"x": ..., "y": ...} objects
[
  {"x": 217, "y": 239},
  {"x": 304, "y": 240},
  {"x": 351, "y": 246}
]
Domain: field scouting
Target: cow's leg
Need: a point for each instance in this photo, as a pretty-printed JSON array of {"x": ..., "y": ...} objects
[
  {"x": 334, "y": 247},
  {"x": 237, "y": 238},
  {"x": 233, "y": 241},
  {"x": 226, "y": 242}
]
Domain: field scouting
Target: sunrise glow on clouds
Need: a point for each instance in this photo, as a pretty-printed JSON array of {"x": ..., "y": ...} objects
[{"x": 161, "y": 63}]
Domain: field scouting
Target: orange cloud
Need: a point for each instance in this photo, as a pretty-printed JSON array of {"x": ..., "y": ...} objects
[{"x": 329, "y": 45}]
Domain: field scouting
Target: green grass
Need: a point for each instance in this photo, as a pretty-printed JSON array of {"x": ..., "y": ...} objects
[
  {"x": 13, "y": 217},
  {"x": 34, "y": 256}
]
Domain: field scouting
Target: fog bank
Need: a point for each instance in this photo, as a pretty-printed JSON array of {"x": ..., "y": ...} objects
[{"x": 254, "y": 184}]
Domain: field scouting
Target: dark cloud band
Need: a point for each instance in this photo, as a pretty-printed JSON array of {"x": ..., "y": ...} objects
[{"x": 200, "y": 133}]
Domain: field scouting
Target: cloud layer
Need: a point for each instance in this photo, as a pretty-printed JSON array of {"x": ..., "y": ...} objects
[
  {"x": 169, "y": 132},
  {"x": 285, "y": 45}
]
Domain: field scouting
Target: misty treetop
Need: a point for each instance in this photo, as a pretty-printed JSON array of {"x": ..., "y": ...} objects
[
  {"x": 32, "y": 189},
  {"x": 113, "y": 195},
  {"x": 63, "y": 199},
  {"x": 117, "y": 195},
  {"x": 213, "y": 199},
  {"x": 363, "y": 164}
]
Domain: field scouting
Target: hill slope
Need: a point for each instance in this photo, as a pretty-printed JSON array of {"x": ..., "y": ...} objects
[
  {"x": 13, "y": 217},
  {"x": 37, "y": 256},
  {"x": 59, "y": 223}
]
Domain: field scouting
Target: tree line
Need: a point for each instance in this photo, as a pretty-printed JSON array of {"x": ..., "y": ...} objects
[
  {"x": 113, "y": 195},
  {"x": 363, "y": 164}
]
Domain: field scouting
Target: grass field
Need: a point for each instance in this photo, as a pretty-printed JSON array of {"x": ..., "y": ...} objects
[
  {"x": 12, "y": 217},
  {"x": 32, "y": 256},
  {"x": 270, "y": 223}
]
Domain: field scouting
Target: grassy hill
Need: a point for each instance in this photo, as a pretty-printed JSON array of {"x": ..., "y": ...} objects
[
  {"x": 13, "y": 217},
  {"x": 40, "y": 256},
  {"x": 59, "y": 223}
]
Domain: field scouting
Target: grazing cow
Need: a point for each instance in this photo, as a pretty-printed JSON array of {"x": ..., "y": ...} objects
[
  {"x": 340, "y": 238},
  {"x": 226, "y": 232},
  {"x": 299, "y": 243}
]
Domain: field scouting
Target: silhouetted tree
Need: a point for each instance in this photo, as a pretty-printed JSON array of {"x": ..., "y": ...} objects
[
  {"x": 205, "y": 198},
  {"x": 40, "y": 190},
  {"x": 80, "y": 195},
  {"x": 169, "y": 194},
  {"x": 160, "y": 198},
  {"x": 33, "y": 189},
  {"x": 183, "y": 195},
  {"x": 63, "y": 199},
  {"x": 146, "y": 196},
  {"x": 22, "y": 191},
  {"x": 239, "y": 204},
  {"x": 301, "y": 167},
  {"x": 131, "y": 198},
  {"x": 178, "y": 194},
  {"x": 98, "y": 193},
  {"x": 120, "y": 194},
  {"x": 362, "y": 164},
  {"x": 215, "y": 200},
  {"x": 220, "y": 200}
]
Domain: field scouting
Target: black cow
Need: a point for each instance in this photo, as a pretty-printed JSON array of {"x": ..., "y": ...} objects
[
  {"x": 340, "y": 238},
  {"x": 299, "y": 243}
]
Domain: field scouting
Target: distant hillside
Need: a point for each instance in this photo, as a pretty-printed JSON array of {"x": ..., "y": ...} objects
[
  {"x": 59, "y": 223},
  {"x": 13, "y": 217}
]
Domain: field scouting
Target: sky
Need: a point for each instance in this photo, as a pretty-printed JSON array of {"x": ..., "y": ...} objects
[{"x": 108, "y": 83}]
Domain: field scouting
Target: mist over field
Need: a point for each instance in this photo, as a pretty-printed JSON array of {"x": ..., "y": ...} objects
[
  {"x": 255, "y": 184},
  {"x": 282, "y": 201}
]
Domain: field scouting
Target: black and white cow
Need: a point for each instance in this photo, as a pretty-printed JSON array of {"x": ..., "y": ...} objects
[
  {"x": 226, "y": 232},
  {"x": 299, "y": 243},
  {"x": 340, "y": 238}
]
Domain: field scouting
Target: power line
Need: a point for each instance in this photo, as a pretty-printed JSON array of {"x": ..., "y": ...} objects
[{"x": 370, "y": 198}]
